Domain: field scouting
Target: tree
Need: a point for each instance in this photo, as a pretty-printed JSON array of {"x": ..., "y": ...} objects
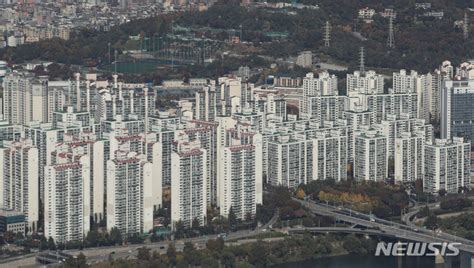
[
  {"x": 51, "y": 244},
  {"x": 424, "y": 212},
  {"x": 232, "y": 218},
  {"x": 143, "y": 254},
  {"x": 135, "y": 239},
  {"x": 188, "y": 247},
  {"x": 76, "y": 262},
  {"x": 9, "y": 236},
  {"x": 431, "y": 222},
  {"x": 215, "y": 245},
  {"x": 228, "y": 259},
  {"x": 92, "y": 238},
  {"x": 442, "y": 192},
  {"x": 195, "y": 223},
  {"x": 43, "y": 243},
  {"x": 248, "y": 217},
  {"x": 455, "y": 204},
  {"x": 209, "y": 262},
  {"x": 171, "y": 253},
  {"x": 352, "y": 244},
  {"x": 191, "y": 256},
  {"x": 258, "y": 255},
  {"x": 300, "y": 194},
  {"x": 419, "y": 186},
  {"x": 115, "y": 236}
]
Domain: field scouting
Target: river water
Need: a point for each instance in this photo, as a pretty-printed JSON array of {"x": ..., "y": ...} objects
[{"x": 365, "y": 261}]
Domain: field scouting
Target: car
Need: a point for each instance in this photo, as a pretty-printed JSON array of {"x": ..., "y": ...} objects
[
  {"x": 113, "y": 252},
  {"x": 162, "y": 247}
]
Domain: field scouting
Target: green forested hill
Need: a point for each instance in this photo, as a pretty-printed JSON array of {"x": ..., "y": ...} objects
[{"x": 421, "y": 43}]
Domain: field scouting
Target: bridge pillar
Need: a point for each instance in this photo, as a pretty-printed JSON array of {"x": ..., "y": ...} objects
[
  {"x": 467, "y": 260},
  {"x": 439, "y": 261}
]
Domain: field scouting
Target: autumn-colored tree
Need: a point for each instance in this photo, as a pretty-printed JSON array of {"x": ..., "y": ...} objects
[{"x": 300, "y": 194}]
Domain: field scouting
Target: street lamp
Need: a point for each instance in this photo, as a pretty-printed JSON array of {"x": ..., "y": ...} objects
[{"x": 109, "y": 52}]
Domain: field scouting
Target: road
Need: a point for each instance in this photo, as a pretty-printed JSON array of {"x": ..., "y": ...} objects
[
  {"x": 96, "y": 255},
  {"x": 408, "y": 218},
  {"x": 100, "y": 254},
  {"x": 397, "y": 230}
]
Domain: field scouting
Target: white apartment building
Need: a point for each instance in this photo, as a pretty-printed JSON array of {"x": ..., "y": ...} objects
[
  {"x": 129, "y": 193},
  {"x": 447, "y": 165},
  {"x": 355, "y": 119},
  {"x": 326, "y": 108},
  {"x": 305, "y": 59},
  {"x": 255, "y": 119},
  {"x": 289, "y": 160},
  {"x": 330, "y": 156},
  {"x": 19, "y": 180},
  {"x": 380, "y": 105},
  {"x": 228, "y": 95},
  {"x": 409, "y": 156},
  {"x": 206, "y": 133},
  {"x": 87, "y": 144},
  {"x": 206, "y": 104},
  {"x": 45, "y": 136},
  {"x": 165, "y": 150},
  {"x": 447, "y": 69},
  {"x": 371, "y": 156},
  {"x": 130, "y": 101},
  {"x": 325, "y": 84},
  {"x": 24, "y": 98},
  {"x": 240, "y": 176},
  {"x": 67, "y": 198},
  {"x": 276, "y": 105},
  {"x": 368, "y": 83},
  {"x": 403, "y": 82},
  {"x": 432, "y": 96},
  {"x": 413, "y": 82},
  {"x": 154, "y": 156},
  {"x": 394, "y": 125},
  {"x": 28, "y": 98},
  {"x": 240, "y": 170},
  {"x": 188, "y": 184}
]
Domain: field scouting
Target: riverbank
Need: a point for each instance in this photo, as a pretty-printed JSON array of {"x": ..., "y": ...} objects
[{"x": 290, "y": 249}]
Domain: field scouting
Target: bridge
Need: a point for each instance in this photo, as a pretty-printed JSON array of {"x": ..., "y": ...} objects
[
  {"x": 387, "y": 228},
  {"x": 52, "y": 257}
]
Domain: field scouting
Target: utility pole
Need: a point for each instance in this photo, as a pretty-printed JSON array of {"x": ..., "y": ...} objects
[
  {"x": 327, "y": 34},
  {"x": 362, "y": 60},
  {"x": 115, "y": 60},
  {"x": 109, "y": 52},
  {"x": 172, "y": 51},
  {"x": 391, "y": 39},
  {"x": 240, "y": 33},
  {"x": 465, "y": 26}
]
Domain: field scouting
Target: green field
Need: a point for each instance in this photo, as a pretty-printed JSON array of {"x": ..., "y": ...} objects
[{"x": 138, "y": 67}]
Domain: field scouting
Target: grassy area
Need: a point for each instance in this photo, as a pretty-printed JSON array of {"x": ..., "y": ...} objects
[
  {"x": 269, "y": 234},
  {"x": 138, "y": 67}
]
